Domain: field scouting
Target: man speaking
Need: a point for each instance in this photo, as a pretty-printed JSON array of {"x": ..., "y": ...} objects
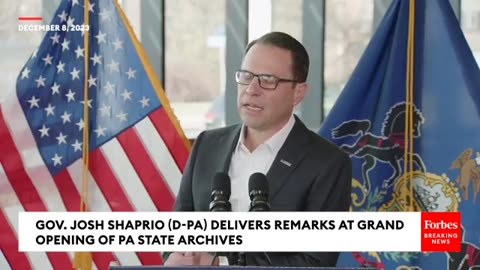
[{"x": 304, "y": 171}]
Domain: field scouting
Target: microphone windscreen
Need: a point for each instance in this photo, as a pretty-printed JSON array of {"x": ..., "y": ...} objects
[
  {"x": 258, "y": 182},
  {"x": 221, "y": 182}
]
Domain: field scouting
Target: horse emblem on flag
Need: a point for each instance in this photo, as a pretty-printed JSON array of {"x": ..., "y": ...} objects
[{"x": 388, "y": 147}]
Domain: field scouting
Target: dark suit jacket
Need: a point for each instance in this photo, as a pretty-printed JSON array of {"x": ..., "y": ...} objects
[{"x": 319, "y": 179}]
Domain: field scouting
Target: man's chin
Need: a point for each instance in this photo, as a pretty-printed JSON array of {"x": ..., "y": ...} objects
[
  {"x": 257, "y": 125},
  {"x": 253, "y": 121}
]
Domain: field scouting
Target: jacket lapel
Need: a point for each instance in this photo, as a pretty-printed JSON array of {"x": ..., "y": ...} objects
[
  {"x": 230, "y": 140},
  {"x": 289, "y": 156}
]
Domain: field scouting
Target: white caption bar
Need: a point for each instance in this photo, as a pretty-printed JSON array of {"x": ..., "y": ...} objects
[{"x": 220, "y": 231}]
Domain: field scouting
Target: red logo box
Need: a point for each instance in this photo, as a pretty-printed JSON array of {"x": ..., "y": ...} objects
[{"x": 441, "y": 231}]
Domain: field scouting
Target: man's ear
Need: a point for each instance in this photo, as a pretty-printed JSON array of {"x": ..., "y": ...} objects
[{"x": 300, "y": 92}]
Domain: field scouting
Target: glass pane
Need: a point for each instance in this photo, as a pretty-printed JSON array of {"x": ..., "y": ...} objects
[
  {"x": 349, "y": 27},
  {"x": 194, "y": 62},
  {"x": 287, "y": 16},
  {"x": 16, "y": 46},
  {"x": 470, "y": 22},
  {"x": 259, "y": 18}
]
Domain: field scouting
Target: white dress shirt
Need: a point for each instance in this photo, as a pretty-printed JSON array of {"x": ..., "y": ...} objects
[{"x": 244, "y": 163}]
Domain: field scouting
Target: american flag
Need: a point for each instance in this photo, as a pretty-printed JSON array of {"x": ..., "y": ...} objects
[{"x": 137, "y": 149}]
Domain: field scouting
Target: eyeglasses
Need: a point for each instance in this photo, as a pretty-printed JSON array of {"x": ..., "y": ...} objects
[{"x": 266, "y": 81}]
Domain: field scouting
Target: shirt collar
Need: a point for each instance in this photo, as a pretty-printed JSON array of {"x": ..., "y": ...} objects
[{"x": 275, "y": 142}]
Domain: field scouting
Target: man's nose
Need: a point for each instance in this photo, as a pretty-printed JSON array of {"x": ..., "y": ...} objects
[{"x": 254, "y": 87}]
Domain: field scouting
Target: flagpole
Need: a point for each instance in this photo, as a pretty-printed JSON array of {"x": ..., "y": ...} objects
[
  {"x": 86, "y": 116},
  {"x": 83, "y": 260},
  {"x": 408, "y": 152}
]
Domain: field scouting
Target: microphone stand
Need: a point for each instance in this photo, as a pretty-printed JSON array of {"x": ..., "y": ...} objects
[
  {"x": 242, "y": 259},
  {"x": 219, "y": 206},
  {"x": 220, "y": 195},
  {"x": 215, "y": 256},
  {"x": 268, "y": 258},
  {"x": 256, "y": 205}
]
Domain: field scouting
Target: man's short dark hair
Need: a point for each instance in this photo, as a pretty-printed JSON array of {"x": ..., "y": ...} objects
[{"x": 285, "y": 41}]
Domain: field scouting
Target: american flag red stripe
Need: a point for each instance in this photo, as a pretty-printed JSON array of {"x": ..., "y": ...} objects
[
  {"x": 159, "y": 191},
  {"x": 67, "y": 190},
  {"x": 108, "y": 184},
  {"x": 102, "y": 259},
  {"x": 71, "y": 199},
  {"x": 22, "y": 184},
  {"x": 9, "y": 245},
  {"x": 9, "y": 239},
  {"x": 116, "y": 197},
  {"x": 173, "y": 140},
  {"x": 98, "y": 202}
]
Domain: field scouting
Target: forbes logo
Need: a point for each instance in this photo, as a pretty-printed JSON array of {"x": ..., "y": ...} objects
[
  {"x": 431, "y": 225},
  {"x": 441, "y": 231}
]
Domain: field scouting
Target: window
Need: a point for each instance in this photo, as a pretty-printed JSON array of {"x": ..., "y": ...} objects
[
  {"x": 259, "y": 18},
  {"x": 348, "y": 29},
  {"x": 195, "y": 62},
  {"x": 470, "y": 22},
  {"x": 287, "y": 17}
]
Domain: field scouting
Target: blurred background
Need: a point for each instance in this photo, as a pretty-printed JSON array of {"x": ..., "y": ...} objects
[{"x": 196, "y": 46}]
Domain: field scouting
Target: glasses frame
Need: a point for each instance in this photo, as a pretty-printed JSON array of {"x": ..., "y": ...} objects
[{"x": 279, "y": 80}]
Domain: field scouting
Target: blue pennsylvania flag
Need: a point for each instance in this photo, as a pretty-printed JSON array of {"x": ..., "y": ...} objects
[{"x": 369, "y": 122}]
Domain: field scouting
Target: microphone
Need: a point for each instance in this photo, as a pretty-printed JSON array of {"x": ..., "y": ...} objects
[
  {"x": 258, "y": 191},
  {"x": 220, "y": 193}
]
